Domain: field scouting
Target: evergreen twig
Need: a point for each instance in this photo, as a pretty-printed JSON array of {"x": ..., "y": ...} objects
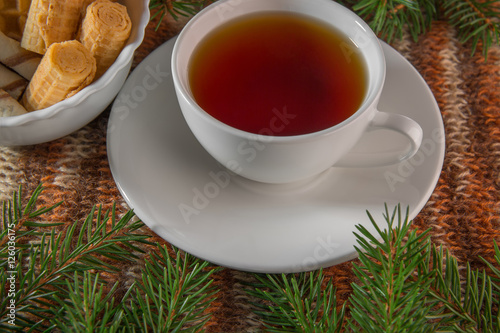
[
  {"x": 298, "y": 303},
  {"x": 390, "y": 18},
  {"x": 404, "y": 283},
  {"x": 87, "y": 309},
  {"x": 55, "y": 284},
  {"x": 176, "y": 8},
  {"x": 174, "y": 293},
  {"x": 393, "y": 285},
  {"x": 476, "y": 21}
]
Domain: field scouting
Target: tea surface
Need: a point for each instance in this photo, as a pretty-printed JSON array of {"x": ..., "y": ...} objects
[{"x": 277, "y": 74}]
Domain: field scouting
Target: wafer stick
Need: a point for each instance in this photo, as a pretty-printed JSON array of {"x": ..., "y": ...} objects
[
  {"x": 18, "y": 59},
  {"x": 11, "y": 82},
  {"x": 105, "y": 30},
  {"x": 10, "y": 25},
  {"x": 50, "y": 21},
  {"x": 65, "y": 69},
  {"x": 3, "y": 24},
  {"x": 23, "y": 6},
  {"x": 9, "y": 106}
]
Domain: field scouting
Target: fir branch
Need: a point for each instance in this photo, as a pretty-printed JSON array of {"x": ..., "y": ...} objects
[
  {"x": 298, "y": 303},
  {"x": 173, "y": 295},
  {"x": 18, "y": 222},
  {"x": 388, "y": 19},
  {"x": 391, "y": 294},
  {"x": 468, "y": 303},
  {"x": 87, "y": 309},
  {"x": 478, "y": 21},
  {"x": 52, "y": 260},
  {"x": 160, "y": 8},
  {"x": 405, "y": 284},
  {"x": 54, "y": 288}
]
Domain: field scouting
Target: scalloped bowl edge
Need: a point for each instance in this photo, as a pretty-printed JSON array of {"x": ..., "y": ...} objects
[{"x": 35, "y": 127}]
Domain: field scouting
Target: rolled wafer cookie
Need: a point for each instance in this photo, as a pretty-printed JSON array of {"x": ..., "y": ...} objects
[
  {"x": 50, "y": 21},
  {"x": 105, "y": 31},
  {"x": 18, "y": 59},
  {"x": 65, "y": 69},
  {"x": 11, "y": 82},
  {"x": 9, "y": 106},
  {"x": 23, "y": 6},
  {"x": 3, "y": 24},
  {"x": 9, "y": 25}
]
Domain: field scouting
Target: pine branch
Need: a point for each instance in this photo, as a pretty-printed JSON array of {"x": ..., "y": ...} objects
[
  {"x": 388, "y": 19},
  {"x": 55, "y": 257},
  {"x": 405, "y": 284},
  {"x": 87, "y": 309},
  {"x": 298, "y": 303},
  {"x": 173, "y": 295},
  {"x": 18, "y": 222},
  {"x": 391, "y": 294},
  {"x": 477, "y": 21},
  {"x": 56, "y": 286},
  {"x": 176, "y": 8},
  {"x": 468, "y": 303}
]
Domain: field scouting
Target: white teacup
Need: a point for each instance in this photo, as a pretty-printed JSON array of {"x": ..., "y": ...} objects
[{"x": 284, "y": 159}]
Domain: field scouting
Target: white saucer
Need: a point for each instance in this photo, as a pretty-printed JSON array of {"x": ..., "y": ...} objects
[{"x": 185, "y": 197}]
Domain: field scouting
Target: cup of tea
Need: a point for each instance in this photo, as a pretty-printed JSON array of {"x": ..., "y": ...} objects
[{"x": 278, "y": 91}]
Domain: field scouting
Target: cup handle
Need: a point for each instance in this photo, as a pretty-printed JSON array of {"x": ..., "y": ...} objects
[{"x": 387, "y": 121}]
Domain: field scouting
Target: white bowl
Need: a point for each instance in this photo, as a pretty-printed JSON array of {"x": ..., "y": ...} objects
[{"x": 77, "y": 111}]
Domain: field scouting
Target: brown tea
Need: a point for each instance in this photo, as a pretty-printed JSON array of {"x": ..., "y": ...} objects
[{"x": 277, "y": 74}]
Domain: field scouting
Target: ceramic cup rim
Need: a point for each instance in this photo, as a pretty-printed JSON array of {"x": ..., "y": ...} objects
[{"x": 371, "y": 97}]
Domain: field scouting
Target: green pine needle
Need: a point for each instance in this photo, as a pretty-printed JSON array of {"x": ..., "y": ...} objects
[
  {"x": 476, "y": 21},
  {"x": 297, "y": 303},
  {"x": 174, "y": 293},
  {"x": 389, "y": 18},
  {"x": 468, "y": 302},
  {"x": 87, "y": 309},
  {"x": 176, "y": 8},
  {"x": 392, "y": 291},
  {"x": 48, "y": 284},
  {"x": 404, "y": 283}
]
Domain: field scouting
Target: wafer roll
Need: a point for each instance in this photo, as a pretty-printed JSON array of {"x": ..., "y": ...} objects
[
  {"x": 18, "y": 59},
  {"x": 65, "y": 69},
  {"x": 10, "y": 25},
  {"x": 23, "y": 6},
  {"x": 9, "y": 106},
  {"x": 50, "y": 21},
  {"x": 3, "y": 24},
  {"x": 11, "y": 82},
  {"x": 105, "y": 30}
]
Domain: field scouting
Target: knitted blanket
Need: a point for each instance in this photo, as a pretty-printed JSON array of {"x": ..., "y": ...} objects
[{"x": 463, "y": 212}]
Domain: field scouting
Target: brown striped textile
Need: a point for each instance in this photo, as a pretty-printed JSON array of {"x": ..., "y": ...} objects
[{"x": 463, "y": 212}]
